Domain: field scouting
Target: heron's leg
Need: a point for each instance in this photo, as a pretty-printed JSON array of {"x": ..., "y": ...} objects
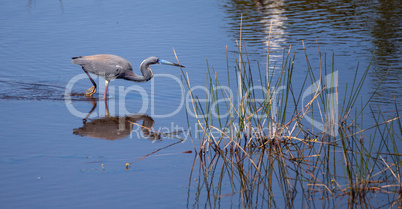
[
  {"x": 91, "y": 90},
  {"x": 90, "y": 112},
  {"x": 106, "y": 85},
  {"x": 107, "y": 109}
]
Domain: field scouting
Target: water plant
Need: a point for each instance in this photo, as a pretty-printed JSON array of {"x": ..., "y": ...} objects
[{"x": 276, "y": 143}]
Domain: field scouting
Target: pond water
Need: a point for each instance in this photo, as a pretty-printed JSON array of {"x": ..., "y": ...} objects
[{"x": 64, "y": 152}]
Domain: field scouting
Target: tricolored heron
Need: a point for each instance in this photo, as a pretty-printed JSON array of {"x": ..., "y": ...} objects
[{"x": 111, "y": 67}]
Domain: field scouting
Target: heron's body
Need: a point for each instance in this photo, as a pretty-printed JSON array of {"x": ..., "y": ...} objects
[
  {"x": 107, "y": 66},
  {"x": 111, "y": 67}
]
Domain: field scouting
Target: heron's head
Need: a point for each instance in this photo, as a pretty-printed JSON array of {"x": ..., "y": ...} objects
[{"x": 156, "y": 60}]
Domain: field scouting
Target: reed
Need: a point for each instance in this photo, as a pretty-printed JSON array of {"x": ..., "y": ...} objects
[{"x": 272, "y": 143}]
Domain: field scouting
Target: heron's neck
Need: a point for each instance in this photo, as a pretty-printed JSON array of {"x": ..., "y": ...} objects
[{"x": 145, "y": 71}]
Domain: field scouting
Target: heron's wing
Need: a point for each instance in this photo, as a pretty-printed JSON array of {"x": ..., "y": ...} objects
[{"x": 107, "y": 66}]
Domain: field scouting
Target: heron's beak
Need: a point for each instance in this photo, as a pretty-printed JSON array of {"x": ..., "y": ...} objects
[{"x": 169, "y": 63}]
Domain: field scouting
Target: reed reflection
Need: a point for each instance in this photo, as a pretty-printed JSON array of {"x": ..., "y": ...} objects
[
  {"x": 281, "y": 175},
  {"x": 115, "y": 127}
]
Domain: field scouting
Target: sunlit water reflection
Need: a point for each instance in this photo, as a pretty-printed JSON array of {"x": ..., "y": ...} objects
[{"x": 354, "y": 31}]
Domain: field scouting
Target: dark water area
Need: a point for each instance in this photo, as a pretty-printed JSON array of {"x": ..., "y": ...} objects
[
  {"x": 60, "y": 149},
  {"x": 356, "y": 32}
]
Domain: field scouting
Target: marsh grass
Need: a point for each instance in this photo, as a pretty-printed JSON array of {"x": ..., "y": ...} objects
[{"x": 274, "y": 143}]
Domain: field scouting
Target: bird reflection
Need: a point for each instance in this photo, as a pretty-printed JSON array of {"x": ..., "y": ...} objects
[{"x": 111, "y": 127}]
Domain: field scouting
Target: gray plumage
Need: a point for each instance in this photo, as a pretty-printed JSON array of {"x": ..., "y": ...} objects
[{"x": 111, "y": 67}]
